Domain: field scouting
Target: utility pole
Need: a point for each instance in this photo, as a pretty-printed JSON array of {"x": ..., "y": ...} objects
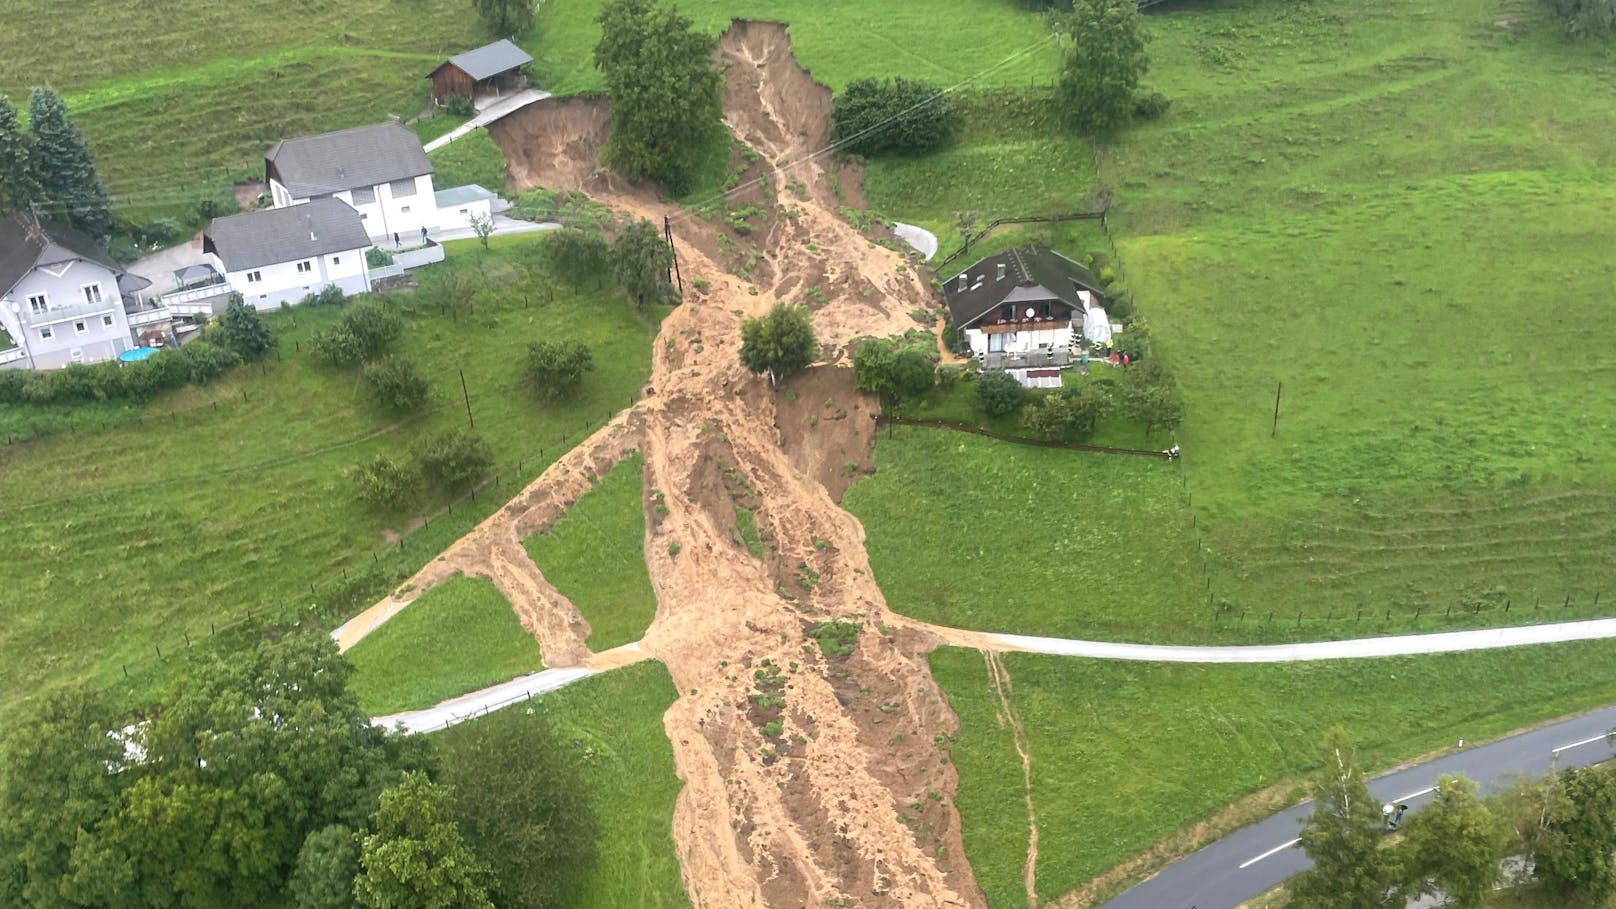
[
  {"x": 1278, "y": 387},
  {"x": 667, "y": 233},
  {"x": 466, "y": 396}
]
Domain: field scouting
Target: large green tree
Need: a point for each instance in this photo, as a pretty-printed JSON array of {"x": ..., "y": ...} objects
[
  {"x": 522, "y": 807},
  {"x": 666, "y": 95},
  {"x": 65, "y": 167},
  {"x": 895, "y": 368},
  {"x": 19, "y": 182},
  {"x": 641, "y": 258},
  {"x": 1343, "y": 838},
  {"x": 1105, "y": 59},
  {"x": 555, "y": 369},
  {"x": 1453, "y": 847},
  {"x": 901, "y": 116},
  {"x": 1573, "y": 846},
  {"x": 505, "y": 17},
  {"x": 240, "y": 329},
  {"x": 416, "y": 857},
  {"x": 326, "y": 868},
  {"x": 779, "y": 343}
]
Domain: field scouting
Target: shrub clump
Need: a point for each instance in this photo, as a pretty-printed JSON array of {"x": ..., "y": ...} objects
[
  {"x": 453, "y": 459},
  {"x": 999, "y": 394},
  {"x": 892, "y": 116},
  {"x": 365, "y": 331},
  {"x": 393, "y": 383}
]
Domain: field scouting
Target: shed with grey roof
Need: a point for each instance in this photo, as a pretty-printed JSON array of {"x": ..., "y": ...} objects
[
  {"x": 357, "y": 158},
  {"x": 272, "y": 236},
  {"x": 490, "y": 69}
]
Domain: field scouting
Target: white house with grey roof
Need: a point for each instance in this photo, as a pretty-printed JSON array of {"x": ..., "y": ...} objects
[
  {"x": 281, "y": 255},
  {"x": 380, "y": 171},
  {"x": 62, "y": 299}
]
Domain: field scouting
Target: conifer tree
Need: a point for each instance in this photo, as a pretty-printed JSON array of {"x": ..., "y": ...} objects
[
  {"x": 66, "y": 169},
  {"x": 18, "y": 184}
]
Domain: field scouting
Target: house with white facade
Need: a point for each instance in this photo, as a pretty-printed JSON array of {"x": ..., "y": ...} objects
[
  {"x": 382, "y": 172},
  {"x": 1017, "y": 311},
  {"x": 281, "y": 255},
  {"x": 62, "y": 298}
]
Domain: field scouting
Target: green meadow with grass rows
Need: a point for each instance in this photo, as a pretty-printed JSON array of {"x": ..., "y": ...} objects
[
  {"x": 410, "y": 663},
  {"x": 230, "y": 496}
]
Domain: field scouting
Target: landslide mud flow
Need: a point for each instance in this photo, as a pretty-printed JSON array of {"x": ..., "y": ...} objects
[{"x": 814, "y": 776}]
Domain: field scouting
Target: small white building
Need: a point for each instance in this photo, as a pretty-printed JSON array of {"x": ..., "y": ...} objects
[
  {"x": 281, "y": 255},
  {"x": 62, "y": 299},
  {"x": 381, "y": 171},
  {"x": 1017, "y": 310}
]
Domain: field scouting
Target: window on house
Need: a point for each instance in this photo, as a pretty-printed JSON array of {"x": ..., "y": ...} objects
[
  {"x": 336, "y": 260},
  {"x": 37, "y": 304},
  {"x": 80, "y": 328},
  {"x": 404, "y": 209},
  {"x": 45, "y": 334},
  {"x": 92, "y": 293},
  {"x": 364, "y": 195},
  {"x": 305, "y": 267},
  {"x": 1046, "y": 311},
  {"x": 106, "y": 321},
  {"x": 253, "y": 277},
  {"x": 1007, "y": 314},
  {"x": 402, "y": 188}
]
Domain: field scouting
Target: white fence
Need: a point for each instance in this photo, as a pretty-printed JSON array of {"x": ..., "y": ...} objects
[{"x": 11, "y": 355}]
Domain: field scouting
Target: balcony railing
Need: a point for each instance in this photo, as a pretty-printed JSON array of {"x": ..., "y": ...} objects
[
  {"x": 1026, "y": 360},
  {"x": 11, "y": 355},
  {"x": 69, "y": 311}
]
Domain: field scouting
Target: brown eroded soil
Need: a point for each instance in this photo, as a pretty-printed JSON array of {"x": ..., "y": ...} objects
[{"x": 808, "y": 780}]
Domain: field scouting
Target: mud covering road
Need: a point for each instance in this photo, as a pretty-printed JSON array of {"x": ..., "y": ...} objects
[{"x": 812, "y": 776}]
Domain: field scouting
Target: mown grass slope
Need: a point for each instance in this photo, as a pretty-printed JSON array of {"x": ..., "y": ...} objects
[
  {"x": 230, "y": 496},
  {"x": 595, "y": 555},
  {"x": 456, "y": 638},
  {"x": 1124, "y": 754},
  {"x": 615, "y": 719}
]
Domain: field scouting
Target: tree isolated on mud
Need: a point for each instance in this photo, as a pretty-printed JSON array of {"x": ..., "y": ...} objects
[
  {"x": 641, "y": 258},
  {"x": 1104, "y": 61},
  {"x": 666, "y": 95},
  {"x": 505, "y": 18},
  {"x": 19, "y": 179},
  {"x": 1343, "y": 837},
  {"x": 65, "y": 168},
  {"x": 779, "y": 343}
]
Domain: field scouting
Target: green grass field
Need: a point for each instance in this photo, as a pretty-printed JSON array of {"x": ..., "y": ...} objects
[
  {"x": 120, "y": 539},
  {"x": 457, "y": 637},
  {"x": 595, "y": 555},
  {"x": 1124, "y": 754},
  {"x": 176, "y": 104},
  {"x": 472, "y": 158},
  {"x": 617, "y": 718},
  {"x": 1402, "y": 211}
]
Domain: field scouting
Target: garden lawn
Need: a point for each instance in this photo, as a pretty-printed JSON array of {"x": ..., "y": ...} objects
[
  {"x": 1125, "y": 754},
  {"x": 470, "y": 159},
  {"x": 176, "y": 105},
  {"x": 458, "y": 637},
  {"x": 616, "y": 717},
  {"x": 1404, "y": 213},
  {"x": 231, "y": 496},
  {"x": 994, "y": 536},
  {"x": 595, "y": 555}
]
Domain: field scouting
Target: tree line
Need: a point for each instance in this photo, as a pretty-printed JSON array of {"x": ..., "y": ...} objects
[
  {"x": 1563, "y": 827},
  {"x": 256, "y": 780}
]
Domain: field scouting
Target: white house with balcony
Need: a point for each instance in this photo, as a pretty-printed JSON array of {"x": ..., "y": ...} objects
[
  {"x": 1024, "y": 311},
  {"x": 281, "y": 255},
  {"x": 62, "y": 299}
]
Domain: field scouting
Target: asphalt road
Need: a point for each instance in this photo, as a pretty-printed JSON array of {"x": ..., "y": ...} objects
[{"x": 1257, "y": 858}]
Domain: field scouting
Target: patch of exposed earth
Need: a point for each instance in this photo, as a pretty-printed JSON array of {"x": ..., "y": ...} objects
[{"x": 812, "y": 777}]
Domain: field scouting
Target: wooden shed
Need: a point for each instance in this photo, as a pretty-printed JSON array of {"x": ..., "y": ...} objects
[{"x": 490, "y": 70}]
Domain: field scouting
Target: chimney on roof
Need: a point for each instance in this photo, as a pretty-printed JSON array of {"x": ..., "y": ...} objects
[
  {"x": 962, "y": 280},
  {"x": 1000, "y": 276},
  {"x": 312, "y": 237}
]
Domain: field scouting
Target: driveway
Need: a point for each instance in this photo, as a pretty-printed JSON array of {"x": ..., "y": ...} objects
[
  {"x": 159, "y": 267},
  {"x": 488, "y": 115}
]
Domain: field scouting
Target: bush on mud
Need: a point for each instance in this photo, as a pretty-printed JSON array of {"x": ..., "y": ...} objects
[
  {"x": 836, "y": 639},
  {"x": 779, "y": 343}
]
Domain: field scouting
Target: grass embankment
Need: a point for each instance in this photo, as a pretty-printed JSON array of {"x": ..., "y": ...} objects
[
  {"x": 838, "y": 40},
  {"x": 1126, "y": 754},
  {"x": 595, "y": 555},
  {"x": 1035, "y": 540},
  {"x": 176, "y": 104},
  {"x": 616, "y": 719},
  {"x": 457, "y": 637},
  {"x": 1399, "y": 212},
  {"x": 122, "y": 539},
  {"x": 472, "y": 158}
]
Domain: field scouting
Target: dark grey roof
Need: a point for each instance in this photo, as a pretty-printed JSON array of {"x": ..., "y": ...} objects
[
  {"x": 26, "y": 244},
  {"x": 1031, "y": 274},
  {"x": 489, "y": 60},
  {"x": 348, "y": 159},
  {"x": 275, "y": 235}
]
